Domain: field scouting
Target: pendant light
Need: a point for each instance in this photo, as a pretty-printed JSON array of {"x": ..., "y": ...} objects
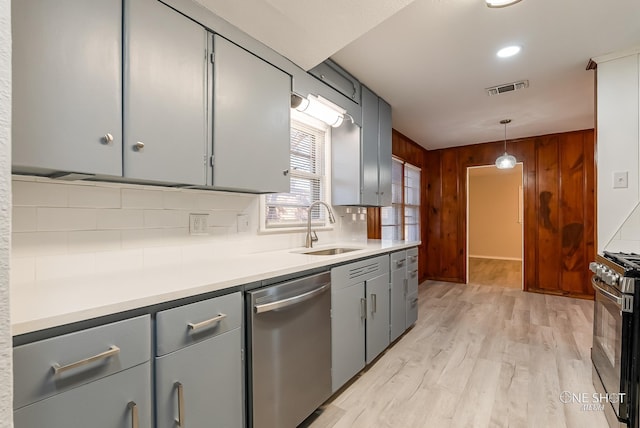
[{"x": 506, "y": 161}]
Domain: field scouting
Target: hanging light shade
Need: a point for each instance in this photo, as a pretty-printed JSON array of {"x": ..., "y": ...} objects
[{"x": 505, "y": 161}]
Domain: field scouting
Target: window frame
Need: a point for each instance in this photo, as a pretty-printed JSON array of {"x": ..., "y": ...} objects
[
  {"x": 325, "y": 184},
  {"x": 402, "y": 204}
]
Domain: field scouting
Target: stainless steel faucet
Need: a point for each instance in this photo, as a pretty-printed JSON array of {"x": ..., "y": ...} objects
[{"x": 311, "y": 239}]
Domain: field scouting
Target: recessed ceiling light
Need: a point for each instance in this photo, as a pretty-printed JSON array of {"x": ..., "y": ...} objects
[
  {"x": 508, "y": 51},
  {"x": 500, "y": 3}
]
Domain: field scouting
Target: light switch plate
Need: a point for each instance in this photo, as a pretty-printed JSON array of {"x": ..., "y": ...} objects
[
  {"x": 243, "y": 223},
  {"x": 620, "y": 180}
]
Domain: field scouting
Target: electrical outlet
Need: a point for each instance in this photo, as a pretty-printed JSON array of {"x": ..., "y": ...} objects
[
  {"x": 243, "y": 223},
  {"x": 198, "y": 224}
]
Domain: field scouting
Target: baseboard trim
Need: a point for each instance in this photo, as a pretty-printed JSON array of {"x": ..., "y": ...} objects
[{"x": 515, "y": 259}]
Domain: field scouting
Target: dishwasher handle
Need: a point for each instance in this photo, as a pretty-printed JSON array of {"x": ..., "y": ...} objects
[{"x": 290, "y": 301}]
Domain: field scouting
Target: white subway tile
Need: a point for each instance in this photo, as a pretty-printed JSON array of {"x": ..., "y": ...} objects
[
  {"x": 23, "y": 219},
  {"x": 94, "y": 196},
  {"x": 67, "y": 266},
  {"x": 223, "y": 218},
  {"x": 142, "y": 238},
  {"x": 120, "y": 219},
  {"x": 39, "y": 194},
  {"x": 165, "y": 218},
  {"x": 230, "y": 201},
  {"x": 52, "y": 219},
  {"x": 34, "y": 244},
  {"x": 90, "y": 241},
  {"x": 142, "y": 198},
  {"x": 180, "y": 200}
]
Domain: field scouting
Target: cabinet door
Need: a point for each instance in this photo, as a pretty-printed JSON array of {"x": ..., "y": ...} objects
[
  {"x": 251, "y": 125},
  {"x": 67, "y": 86},
  {"x": 165, "y": 95},
  {"x": 106, "y": 403},
  {"x": 377, "y": 290},
  {"x": 348, "y": 311},
  {"x": 398, "y": 303},
  {"x": 412, "y": 309},
  {"x": 384, "y": 153},
  {"x": 210, "y": 373},
  {"x": 369, "y": 167}
]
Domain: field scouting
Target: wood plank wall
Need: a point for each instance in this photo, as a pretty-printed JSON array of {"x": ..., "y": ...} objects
[{"x": 559, "y": 210}]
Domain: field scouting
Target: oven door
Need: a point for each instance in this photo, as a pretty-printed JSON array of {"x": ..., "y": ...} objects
[{"x": 611, "y": 344}]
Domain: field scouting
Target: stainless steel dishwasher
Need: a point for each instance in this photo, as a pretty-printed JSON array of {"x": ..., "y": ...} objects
[{"x": 290, "y": 350}]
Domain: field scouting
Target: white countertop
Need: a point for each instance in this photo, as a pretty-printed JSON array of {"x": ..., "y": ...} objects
[{"x": 43, "y": 305}]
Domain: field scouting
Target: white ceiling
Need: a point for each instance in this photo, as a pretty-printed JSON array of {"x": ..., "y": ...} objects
[{"x": 432, "y": 59}]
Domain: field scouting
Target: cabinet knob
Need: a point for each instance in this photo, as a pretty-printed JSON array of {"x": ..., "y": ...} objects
[
  {"x": 107, "y": 139},
  {"x": 138, "y": 146},
  {"x": 285, "y": 172}
]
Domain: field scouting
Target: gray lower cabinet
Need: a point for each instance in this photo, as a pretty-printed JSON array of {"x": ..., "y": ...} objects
[
  {"x": 359, "y": 316},
  {"x": 199, "y": 367},
  {"x": 412, "y": 287},
  {"x": 165, "y": 95},
  {"x": 67, "y": 86},
  {"x": 348, "y": 314},
  {"x": 98, "y": 377},
  {"x": 377, "y": 292},
  {"x": 398, "y": 294},
  {"x": 251, "y": 126}
]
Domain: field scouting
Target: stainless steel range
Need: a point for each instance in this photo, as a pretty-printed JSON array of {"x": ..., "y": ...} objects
[{"x": 616, "y": 281}]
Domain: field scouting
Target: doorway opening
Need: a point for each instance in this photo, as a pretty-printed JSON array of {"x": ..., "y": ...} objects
[{"x": 495, "y": 226}]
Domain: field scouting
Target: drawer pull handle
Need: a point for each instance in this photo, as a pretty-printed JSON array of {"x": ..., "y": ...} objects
[
  {"x": 181, "y": 414},
  {"x": 414, "y": 259},
  {"x": 203, "y": 324},
  {"x": 414, "y": 273},
  {"x": 135, "y": 421},
  {"x": 399, "y": 262},
  {"x": 113, "y": 350}
]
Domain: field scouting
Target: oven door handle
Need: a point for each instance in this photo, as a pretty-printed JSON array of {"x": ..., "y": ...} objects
[{"x": 618, "y": 300}]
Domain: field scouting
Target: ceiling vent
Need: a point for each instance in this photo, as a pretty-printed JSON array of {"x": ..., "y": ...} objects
[{"x": 507, "y": 87}]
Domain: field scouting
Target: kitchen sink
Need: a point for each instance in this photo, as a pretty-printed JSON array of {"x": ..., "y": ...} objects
[{"x": 330, "y": 251}]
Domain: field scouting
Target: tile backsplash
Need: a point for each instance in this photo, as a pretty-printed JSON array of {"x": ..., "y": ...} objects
[
  {"x": 627, "y": 238},
  {"x": 63, "y": 229}
]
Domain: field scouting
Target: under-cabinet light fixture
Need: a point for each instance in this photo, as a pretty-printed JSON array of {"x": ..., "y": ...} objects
[
  {"x": 320, "y": 108},
  {"x": 501, "y": 3},
  {"x": 505, "y": 161}
]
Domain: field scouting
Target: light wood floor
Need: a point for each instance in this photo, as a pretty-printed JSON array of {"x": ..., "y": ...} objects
[
  {"x": 506, "y": 273},
  {"x": 479, "y": 356}
]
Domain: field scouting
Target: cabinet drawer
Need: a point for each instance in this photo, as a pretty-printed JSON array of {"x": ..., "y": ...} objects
[
  {"x": 412, "y": 258},
  {"x": 363, "y": 270},
  {"x": 185, "y": 325},
  {"x": 105, "y": 403},
  {"x": 412, "y": 309},
  {"x": 35, "y": 377},
  {"x": 398, "y": 260},
  {"x": 412, "y": 281}
]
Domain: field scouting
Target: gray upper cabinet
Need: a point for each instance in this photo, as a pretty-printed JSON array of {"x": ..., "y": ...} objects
[
  {"x": 67, "y": 86},
  {"x": 251, "y": 126},
  {"x": 370, "y": 148},
  {"x": 333, "y": 75},
  {"x": 165, "y": 95}
]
